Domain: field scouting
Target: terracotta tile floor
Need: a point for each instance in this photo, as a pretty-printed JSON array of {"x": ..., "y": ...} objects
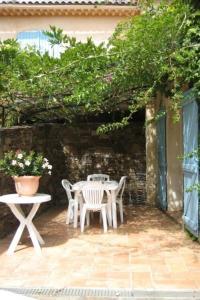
[{"x": 149, "y": 251}]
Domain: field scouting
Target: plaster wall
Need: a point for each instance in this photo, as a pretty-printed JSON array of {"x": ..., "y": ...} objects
[
  {"x": 99, "y": 28},
  {"x": 173, "y": 152},
  {"x": 151, "y": 154}
]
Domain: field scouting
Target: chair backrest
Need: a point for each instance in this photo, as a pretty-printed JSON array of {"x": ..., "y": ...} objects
[
  {"x": 68, "y": 188},
  {"x": 98, "y": 177},
  {"x": 121, "y": 187},
  {"x": 93, "y": 193}
]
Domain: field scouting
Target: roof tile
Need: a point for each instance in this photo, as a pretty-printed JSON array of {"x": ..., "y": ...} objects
[{"x": 70, "y": 2}]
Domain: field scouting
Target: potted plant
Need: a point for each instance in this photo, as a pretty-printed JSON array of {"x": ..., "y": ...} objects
[{"x": 26, "y": 168}]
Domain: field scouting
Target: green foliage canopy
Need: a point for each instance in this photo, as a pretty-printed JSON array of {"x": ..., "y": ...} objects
[{"x": 155, "y": 51}]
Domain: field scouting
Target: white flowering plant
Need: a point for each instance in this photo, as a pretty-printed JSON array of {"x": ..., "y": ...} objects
[{"x": 22, "y": 163}]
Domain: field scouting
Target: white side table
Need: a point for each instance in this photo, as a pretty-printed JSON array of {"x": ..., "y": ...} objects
[{"x": 14, "y": 201}]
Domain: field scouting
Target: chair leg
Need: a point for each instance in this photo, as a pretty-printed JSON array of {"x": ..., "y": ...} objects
[
  {"x": 81, "y": 208},
  {"x": 100, "y": 217},
  {"x": 67, "y": 217},
  {"x": 88, "y": 218},
  {"x": 75, "y": 214},
  {"x": 92, "y": 215},
  {"x": 68, "y": 213},
  {"x": 109, "y": 214},
  {"x": 83, "y": 218},
  {"x": 103, "y": 210},
  {"x": 121, "y": 211}
]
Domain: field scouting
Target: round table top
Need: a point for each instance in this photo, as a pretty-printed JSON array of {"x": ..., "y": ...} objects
[
  {"x": 16, "y": 199},
  {"x": 109, "y": 185}
]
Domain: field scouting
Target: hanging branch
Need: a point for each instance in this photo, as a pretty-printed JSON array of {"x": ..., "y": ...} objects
[{"x": 2, "y": 116}]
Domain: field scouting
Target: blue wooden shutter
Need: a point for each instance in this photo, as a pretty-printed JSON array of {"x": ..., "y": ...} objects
[
  {"x": 38, "y": 40},
  {"x": 29, "y": 38},
  {"x": 44, "y": 45},
  {"x": 190, "y": 164},
  {"x": 162, "y": 164}
]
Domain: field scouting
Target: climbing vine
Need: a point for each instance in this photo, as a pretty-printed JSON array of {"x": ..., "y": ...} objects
[{"x": 155, "y": 51}]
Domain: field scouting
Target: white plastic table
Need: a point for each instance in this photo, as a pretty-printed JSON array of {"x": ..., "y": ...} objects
[
  {"x": 14, "y": 201},
  {"x": 111, "y": 186}
]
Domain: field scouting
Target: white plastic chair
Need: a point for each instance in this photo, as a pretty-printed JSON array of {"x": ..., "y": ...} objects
[
  {"x": 119, "y": 194},
  {"x": 98, "y": 177},
  {"x": 93, "y": 195},
  {"x": 72, "y": 211}
]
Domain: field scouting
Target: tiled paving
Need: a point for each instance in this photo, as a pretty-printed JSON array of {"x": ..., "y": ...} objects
[{"x": 149, "y": 251}]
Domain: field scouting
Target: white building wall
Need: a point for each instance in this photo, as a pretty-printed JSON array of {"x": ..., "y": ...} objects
[{"x": 99, "y": 28}]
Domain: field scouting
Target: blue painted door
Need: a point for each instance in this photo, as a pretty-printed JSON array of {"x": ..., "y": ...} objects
[
  {"x": 190, "y": 163},
  {"x": 162, "y": 163}
]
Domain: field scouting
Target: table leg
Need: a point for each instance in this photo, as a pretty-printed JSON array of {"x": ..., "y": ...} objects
[
  {"x": 114, "y": 209},
  {"x": 16, "y": 239},
  {"x": 34, "y": 234},
  {"x": 40, "y": 239},
  {"x": 78, "y": 203},
  {"x": 75, "y": 213},
  {"x": 17, "y": 212},
  {"x": 34, "y": 239}
]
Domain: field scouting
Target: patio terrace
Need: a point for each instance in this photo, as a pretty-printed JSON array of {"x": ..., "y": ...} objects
[{"x": 149, "y": 251}]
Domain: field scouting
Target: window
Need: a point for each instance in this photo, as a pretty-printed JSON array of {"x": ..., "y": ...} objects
[{"x": 38, "y": 40}]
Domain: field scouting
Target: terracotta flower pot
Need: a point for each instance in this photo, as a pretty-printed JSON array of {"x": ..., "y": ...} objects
[{"x": 26, "y": 185}]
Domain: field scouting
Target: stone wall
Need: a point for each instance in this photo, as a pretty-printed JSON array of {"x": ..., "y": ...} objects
[{"x": 74, "y": 153}]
